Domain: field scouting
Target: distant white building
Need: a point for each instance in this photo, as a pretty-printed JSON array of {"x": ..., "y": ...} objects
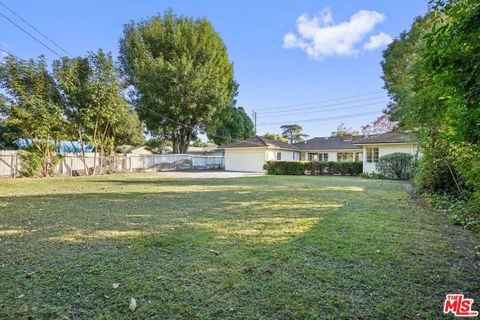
[{"x": 128, "y": 149}]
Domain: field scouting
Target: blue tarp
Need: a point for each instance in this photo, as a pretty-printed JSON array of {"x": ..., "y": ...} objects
[{"x": 62, "y": 146}]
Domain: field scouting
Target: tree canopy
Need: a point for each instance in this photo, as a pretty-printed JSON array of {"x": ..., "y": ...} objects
[
  {"x": 180, "y": 73},
  {"x": 235, "y": 125},
  {"x": 275, "y": 136},
  {"x": 81, "y": 99},
  {"x": 293, "y": 133},
  {"x": 32, "y": 101},
  {"x": 32, "y": 104},
  {"x": 380, "y": 125},
  {"x": 432, "y": 75},
  {"x": 94, "y": 101},
  {"x": 342, "y": 130}
]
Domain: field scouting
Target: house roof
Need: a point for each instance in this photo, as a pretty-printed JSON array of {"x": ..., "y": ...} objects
[
  {"x": 391, "y": 137},
  {"x": 328, "y": 143},
  {"x": 257, "y": 141},
  {"x": 325, "y": 143}
]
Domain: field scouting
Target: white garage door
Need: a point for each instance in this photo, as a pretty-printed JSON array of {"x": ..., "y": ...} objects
[{"x": 244, "y": 160}]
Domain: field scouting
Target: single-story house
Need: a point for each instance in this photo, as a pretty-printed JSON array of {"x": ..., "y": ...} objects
[{"x": 251, "y": 154}]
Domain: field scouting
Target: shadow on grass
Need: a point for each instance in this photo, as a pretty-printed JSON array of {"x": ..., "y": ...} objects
[
  {"x": 67, "y": 217},
  {"x": 309, "y": 250}
]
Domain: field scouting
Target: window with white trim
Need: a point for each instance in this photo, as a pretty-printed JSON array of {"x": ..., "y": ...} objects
[
  {"x": 358, "y": 156},
  {"x": 372, "y": 154},
  {"x": 323, "y": 157},
  {"x": 279, "y": 156},
  {"x": 345, "y": 156}
]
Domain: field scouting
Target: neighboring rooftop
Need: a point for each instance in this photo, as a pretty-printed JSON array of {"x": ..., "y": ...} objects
[
  {"x": 259, "y": 142},
  {"x": 391, "y": 137},
  {"x": 126, "y": 148},
  {"x": 213, "y": 149},
  {"x": 329, "y": 143}
]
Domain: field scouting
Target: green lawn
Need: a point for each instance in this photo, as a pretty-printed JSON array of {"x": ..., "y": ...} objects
[{"x": 268, "y": 247}]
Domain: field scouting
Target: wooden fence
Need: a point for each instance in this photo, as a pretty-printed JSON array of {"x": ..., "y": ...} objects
[{"x": 74, "y": 164}]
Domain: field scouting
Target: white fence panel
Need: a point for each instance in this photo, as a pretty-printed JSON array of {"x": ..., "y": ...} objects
[
  {"x": 9, "y": 163},
  {"x": 74, "y": 163}
]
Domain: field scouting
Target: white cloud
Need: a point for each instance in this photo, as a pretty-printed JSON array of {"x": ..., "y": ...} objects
[
  {"x": 320, "y": 37},
  {"x": 379, "y": 40}
]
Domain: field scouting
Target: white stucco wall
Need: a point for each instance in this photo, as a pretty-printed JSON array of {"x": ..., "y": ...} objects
[
  {"x": 245, "y": 159},
  {"x": 384, "y": 149},
  {"x": 253, "y": 159},
  {"x": 287, "y": 155}
]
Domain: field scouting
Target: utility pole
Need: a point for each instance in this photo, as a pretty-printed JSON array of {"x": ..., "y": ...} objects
[{"x": 254, "y": 115}]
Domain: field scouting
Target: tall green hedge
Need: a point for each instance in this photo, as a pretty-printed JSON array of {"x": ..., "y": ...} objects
[{"x": 313, "y": 168}]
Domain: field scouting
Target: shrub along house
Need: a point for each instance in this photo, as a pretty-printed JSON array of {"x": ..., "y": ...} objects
[{"x": 252, "y": 153}]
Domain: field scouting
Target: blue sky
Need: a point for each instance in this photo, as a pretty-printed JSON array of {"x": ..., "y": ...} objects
[{"x": 286, "y": 54}]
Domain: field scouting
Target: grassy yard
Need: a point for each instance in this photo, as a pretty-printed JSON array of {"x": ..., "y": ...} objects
[{"x": 268, "y": 247}]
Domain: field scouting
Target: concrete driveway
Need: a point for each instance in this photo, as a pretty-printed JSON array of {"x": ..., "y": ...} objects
[{"x": 206, "y": 174}]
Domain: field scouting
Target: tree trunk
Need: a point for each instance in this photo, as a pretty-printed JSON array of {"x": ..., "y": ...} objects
[
  {"x": 185, "y": 140},
  {"x": 181, "y": 140},
  {"x": 45, "y": 161},
  {"x": 85, "y": 166},
  {"x": 175, "y": 143},
  {"x": 102, "y": 156},
  {"x": 95, "y": 145}
]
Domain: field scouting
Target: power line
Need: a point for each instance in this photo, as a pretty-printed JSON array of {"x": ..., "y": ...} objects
[
  {"x": 179, "y": 123},
  {"x": 6, "y": 17},
  {"x": 315, "y": 102},
  {"x": 323, "y": 106},
  {"x": 323, "y": 119},
  {"x": 5, "y": 51},
  {"x": 326, "y": 110},
  {"x": 31, "y": 35},
  {"x": 34, "y": 28}
]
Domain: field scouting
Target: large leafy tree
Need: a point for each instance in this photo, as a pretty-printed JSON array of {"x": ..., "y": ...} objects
[
  {"x": 180, "y": 73},
  {"x": 343, "y": 130},
  {"x": 95, "y": 105},
  {"x": 32, "y": 105},
  {"x": 293, "y": 133},
  {"x": 432, "y": 75},
  {"x": 274, "y": 136},
  {"x": 235, "y": 125},
  {"x": 129, "y": 130}
]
